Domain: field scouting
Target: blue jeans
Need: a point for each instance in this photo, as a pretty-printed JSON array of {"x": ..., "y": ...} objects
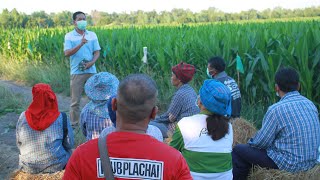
[{"x": 244, "y": 157}]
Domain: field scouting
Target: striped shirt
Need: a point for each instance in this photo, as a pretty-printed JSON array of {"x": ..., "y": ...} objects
[
  {"x": 206, "y": 158},
  {"x": 43, "y": 151},
  {"x": 290, "y": 133},
  {"x": 91, "y": 124}
]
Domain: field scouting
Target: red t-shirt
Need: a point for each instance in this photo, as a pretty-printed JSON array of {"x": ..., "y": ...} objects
[{"x": 132, "y": 155}]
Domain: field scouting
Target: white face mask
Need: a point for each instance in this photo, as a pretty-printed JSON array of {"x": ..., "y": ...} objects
[
  {"x": 198, "y": 98},
  {"x": 208, "y": 74},
  {"x": 277, "y": 94}
]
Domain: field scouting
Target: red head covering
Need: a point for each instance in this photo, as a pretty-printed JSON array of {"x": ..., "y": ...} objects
[
  {"x": 43, "y": 110},
  {"x": 184, "y": 72}
]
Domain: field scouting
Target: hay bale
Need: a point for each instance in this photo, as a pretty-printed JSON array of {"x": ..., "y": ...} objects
[
  {"x": 169, "y": 138},
  {"x": 259, "y": 173},
  {"x": 242, "y": 131},
  {"x": 20, "y": 175}
]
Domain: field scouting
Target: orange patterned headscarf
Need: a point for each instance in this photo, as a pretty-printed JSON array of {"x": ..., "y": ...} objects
[{"x": 43, "y": 110}]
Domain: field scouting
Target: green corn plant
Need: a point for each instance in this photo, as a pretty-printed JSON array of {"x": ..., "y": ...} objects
[{"x": 264, "y": 47}]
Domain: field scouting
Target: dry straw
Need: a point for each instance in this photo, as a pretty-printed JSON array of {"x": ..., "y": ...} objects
[
  {"x": 19, "y": 175},
  {"x": 242, "y": 131},
  {"x": 259, "y": 173}
]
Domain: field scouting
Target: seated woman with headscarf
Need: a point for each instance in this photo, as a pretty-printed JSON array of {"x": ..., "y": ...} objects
[
  {"x": 205, "y": 139},
  {"x": 183, "y": 101},
  {"x": 44, "y": 136},
  {"x": 94, "y": 116}
]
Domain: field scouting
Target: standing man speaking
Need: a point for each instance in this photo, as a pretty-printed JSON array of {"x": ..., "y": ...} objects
[{"x": 82, "y": 46}]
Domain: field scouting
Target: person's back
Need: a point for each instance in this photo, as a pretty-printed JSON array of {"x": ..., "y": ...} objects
[
  {"x": 152, "y": 131},
  {"x": 205, "y": 139},
  {"x": 185, "y": 95},
  {"x": 207, "y": 159},
  {"x": 235, "y": 92},
  {"x": 302, "y": 132},
  {"x": 43, "y": 148},
  {"x": 133, "y": 153},
  {"x": 290, "y": 134},
  {"x": 216, "y": 70},
  {"x": 42, "y": 151},
  {"x": 94, "y": 116}
]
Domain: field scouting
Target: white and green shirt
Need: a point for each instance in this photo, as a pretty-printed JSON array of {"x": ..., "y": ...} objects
[{"x": 207, "y": 159}]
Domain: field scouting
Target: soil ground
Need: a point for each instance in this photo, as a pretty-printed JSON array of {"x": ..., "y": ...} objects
[{"x": 9, "y": 154}]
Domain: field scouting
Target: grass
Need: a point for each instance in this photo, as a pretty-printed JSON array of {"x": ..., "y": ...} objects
[
  {"x": 57, "y": 75},
  {"x": 11, "y": 102},
  {"x": 254, "y": 112},
  {"x": 79, "y": 138}
]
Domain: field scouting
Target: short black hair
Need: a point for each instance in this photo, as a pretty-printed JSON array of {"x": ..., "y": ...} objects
[
  {"x": 137, "y": 96},
  {"x": 287, "y": 79},
  {"x": 217, "y": 63},
  {"x": 74, "y": 16}
]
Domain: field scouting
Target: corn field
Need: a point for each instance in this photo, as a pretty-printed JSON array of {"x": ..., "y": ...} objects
[{"x": 263, "y": 47}]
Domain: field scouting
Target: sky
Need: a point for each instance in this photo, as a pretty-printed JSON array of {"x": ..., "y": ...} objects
[{"x": 29, "y": 6}]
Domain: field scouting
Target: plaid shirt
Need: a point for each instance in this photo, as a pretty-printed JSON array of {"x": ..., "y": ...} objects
[
  {"x": 43, "y": 151},
  {"x": 183, "y": 104},
  {"x": 92, "y": 125},
  {"x": 290, "y": 133}
]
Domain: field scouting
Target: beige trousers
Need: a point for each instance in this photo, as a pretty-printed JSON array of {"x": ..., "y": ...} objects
[{"x": 77, "y": 82}]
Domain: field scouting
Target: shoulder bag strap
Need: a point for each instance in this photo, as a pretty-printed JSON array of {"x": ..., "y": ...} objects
[
  {"x": 104, "y": 158},
  {"x": 64, "y": 124}
]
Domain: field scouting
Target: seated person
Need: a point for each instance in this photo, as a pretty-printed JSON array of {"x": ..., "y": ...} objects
[
  {"x": 94, "y": 116},
  {"x": 133, "y": 154},
  {"x": 183, "y": 102},
  {"x": 44, "y": 146},
  {"x": 152, "y": 130},
  {"x": 216, "y": 70},
  {"x": 290, "y": 134},
  {"x": 205, "y": 139}
]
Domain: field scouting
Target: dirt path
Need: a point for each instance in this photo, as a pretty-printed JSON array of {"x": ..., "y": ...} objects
[{"x": 9, "y": 154}]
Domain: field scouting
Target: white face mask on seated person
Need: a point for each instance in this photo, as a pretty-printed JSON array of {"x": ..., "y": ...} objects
[
  {"x": 208, "y": 74},
  {"x": 211, "y": 72}
]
